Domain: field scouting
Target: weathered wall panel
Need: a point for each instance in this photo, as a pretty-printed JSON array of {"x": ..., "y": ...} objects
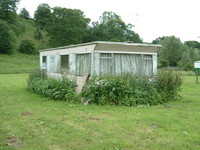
[
  {"x": 155, "y": 64},
  {"x": 72, "y": 64},
  {"x": 96, "y": 63}
]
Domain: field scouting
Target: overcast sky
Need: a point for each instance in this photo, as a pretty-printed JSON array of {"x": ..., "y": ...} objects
[{"x": 152, "y": 18}]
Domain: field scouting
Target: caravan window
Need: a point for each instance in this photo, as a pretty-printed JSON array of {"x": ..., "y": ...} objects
[
  {"x": 83, "y": 64},
  {"x": 65, "y": 61},
  {"x": 147, "y": 65},
  {"x": 44, "y": 62},
  {"x": 106, "y": 63}
]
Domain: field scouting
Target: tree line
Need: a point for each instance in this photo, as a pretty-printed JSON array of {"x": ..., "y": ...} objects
[
  {"x": 64, "y": 26},
  {"x": 175, "y": 53}
]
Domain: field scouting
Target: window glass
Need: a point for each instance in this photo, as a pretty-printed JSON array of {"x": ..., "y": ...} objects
[
  {"x": 65, "y": 61},
  {"x": 44, "y": 62},
  {"x": 44, "y": 59},
  {"x": 106, "y": 63}
]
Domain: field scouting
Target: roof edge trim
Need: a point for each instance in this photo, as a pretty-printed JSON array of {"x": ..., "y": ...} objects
[{"x": 100, "y": 42}]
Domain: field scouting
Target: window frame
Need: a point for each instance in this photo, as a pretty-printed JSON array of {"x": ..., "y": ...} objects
[
  {"x": 44, "y": 62},
  {"x": 64, "y": 61}
]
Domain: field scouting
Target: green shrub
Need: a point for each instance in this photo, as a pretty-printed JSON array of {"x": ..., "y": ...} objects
[
  {"x": 113, "y": 90},
  {"x": 106, "y": 90},
  {"x": 189, "y": 67},
  {"x": 120, "y": 90},
  {"x": 27, "y": 47},
  {"x": 37, "y": 73},
  {"x": 168, "y": 83},
  {"x": 130, "y": 91},
  {"x": 164, "y": 63},
  {"x": 62, "y": 89}
]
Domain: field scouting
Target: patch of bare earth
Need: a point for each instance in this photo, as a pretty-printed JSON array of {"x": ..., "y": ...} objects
[
  {"x": 26, "y": 113},
  {"x": 92, "y": 118},
  {"x": 13, "y": 142}
]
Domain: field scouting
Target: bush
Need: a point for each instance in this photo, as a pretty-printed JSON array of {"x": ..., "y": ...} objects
[
  {"x": 27, "y": 47},
  {"x": 108, "y": 89},
  {"x": 164, "y": 63},
  {"x": 168, "y": 83},
  {"x": 189, "y": 67},
  {"x": 130, "y": 91},
  {"x": 37, "y": 73},
  {"x": 62, "y": 89}
]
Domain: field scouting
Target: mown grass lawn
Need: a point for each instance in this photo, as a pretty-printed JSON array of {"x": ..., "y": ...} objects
[{"x": 29, "y": 121}]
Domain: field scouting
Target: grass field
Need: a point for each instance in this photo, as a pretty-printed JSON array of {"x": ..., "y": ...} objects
[
  {"x": 32, "y": 122},
  {"x": 18, "y": 63}
]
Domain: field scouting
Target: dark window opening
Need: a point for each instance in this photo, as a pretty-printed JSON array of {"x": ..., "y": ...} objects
[
  {"x": 65, "y": 61},
  {"x": 44, "y": 62},
  {"x": 147, "y": 57},
  {"x": 44, "y": 59}
]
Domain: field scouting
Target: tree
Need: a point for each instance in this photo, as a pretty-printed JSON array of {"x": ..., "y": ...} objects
[
  {"x": 193, "y": 44},
  {"x": 111, "y": 27},
  {"x": 185, "y": 57},
  {"x": 27, "y": 47},
  {"x": 130, "y": 35},
  {"x": 67, "y": 26},
  {"x": 5, "y": 39},
  {"x": 190, "y": 53},
  {"x": 158, "y": 40},
  {"x": 24, "y": 13},
  {"x": 171, "y": 50},
  {"x": 38, "y": 33},
  {"x": 8, "y": 10},
  {"x": 42, "y": 15},
  {"x": 194, "y": 54},
  {"x": 188, "y": 56},
  {"x": 164, "y": 63}
]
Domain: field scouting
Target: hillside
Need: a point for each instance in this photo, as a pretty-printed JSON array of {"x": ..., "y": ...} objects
[
  {"x": 22, "y": 29},
  {"x": 18, "y": 63},
  {"x": 25, "y": 29}
]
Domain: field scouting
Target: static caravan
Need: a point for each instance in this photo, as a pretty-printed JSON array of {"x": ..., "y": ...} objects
[{"x": 97, "y": 58}]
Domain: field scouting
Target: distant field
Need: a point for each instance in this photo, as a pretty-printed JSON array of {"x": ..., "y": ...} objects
[
  {"x": 18, "y": 63},
  {"x": 30, "y": 121}
]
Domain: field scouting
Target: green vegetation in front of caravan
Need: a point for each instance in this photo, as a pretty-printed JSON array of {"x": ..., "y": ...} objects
[
  {"x": 132, "y": 90},
  {"x": 31, "y": 121},
  {"x": 118, "y": 90}
]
